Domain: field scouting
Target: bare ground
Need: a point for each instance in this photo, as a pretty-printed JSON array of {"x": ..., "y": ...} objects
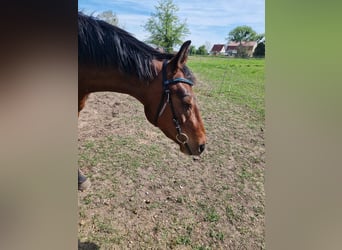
[{"x": 146, "y": 195}]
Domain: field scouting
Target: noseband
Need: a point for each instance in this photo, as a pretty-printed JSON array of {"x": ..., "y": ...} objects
[{"x": 166, "y": 99}]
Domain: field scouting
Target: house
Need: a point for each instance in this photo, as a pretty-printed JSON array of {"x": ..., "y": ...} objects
[
  {"x": 218, "y": 49},
  {"x": 248, "y": 48}
]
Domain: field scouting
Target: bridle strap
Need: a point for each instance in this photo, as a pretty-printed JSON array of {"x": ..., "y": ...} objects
[
  {"x": 166, "y": 99},
  {"x": 166, "y": 92},
  {"x": 177, "y": 80},
  {"x": 167, "y": 83}
]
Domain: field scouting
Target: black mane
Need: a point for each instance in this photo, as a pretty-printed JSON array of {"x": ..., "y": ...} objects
[{"x": 105, "y": 45}]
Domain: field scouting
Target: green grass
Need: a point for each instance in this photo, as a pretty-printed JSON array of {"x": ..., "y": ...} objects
[{"x": 238, "y": 80}]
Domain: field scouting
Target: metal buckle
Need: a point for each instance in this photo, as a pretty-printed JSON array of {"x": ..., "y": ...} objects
[{"x": 182, "y": 138}]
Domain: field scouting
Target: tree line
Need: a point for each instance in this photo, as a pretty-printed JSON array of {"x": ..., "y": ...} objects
[{"x": 167, "y": 31}]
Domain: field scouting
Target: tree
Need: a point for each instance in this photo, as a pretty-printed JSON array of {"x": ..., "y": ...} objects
[
  {"x": 259, "y": 50},
  {"x": 202, "y": 50},
  {"x": 109, "y": 17},
  {"x": 165, "y": 27},
  {"x": 192, "y": 50},
  {"x": 242, "y": 34},
  {"x": 260, "y": 38}
]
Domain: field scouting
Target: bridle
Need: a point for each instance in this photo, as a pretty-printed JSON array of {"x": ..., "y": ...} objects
[{"x": 166, "y": 99}]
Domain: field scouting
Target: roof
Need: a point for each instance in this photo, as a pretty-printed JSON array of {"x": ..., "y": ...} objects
[
  {"x": 244, "y": 44},
  {"x": 217, "y": 47}
]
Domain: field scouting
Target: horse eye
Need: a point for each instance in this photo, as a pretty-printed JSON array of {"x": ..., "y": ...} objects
[
  {"x": 187, "y": 103},
  {"x": 187, "y": 106}
]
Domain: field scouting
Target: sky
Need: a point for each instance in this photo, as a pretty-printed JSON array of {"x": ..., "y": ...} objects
[{"x": 209, "y": 22}]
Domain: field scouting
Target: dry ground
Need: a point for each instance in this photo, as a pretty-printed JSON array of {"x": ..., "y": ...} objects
[{"x": 146, "y": 195}]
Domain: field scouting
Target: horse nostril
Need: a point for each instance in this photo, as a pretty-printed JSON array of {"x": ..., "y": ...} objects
[{"x": 201, "y": 148}]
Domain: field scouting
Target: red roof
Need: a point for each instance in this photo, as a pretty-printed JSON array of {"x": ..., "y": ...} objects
[
  {"x": 217, "y": 47},
  {"x": 233, "y": 45}
]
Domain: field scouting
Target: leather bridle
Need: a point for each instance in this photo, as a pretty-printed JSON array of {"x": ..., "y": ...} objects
[{"x": 181, "y": 137}]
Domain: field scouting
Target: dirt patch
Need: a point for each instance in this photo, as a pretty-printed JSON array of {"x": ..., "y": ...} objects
[{"x": 146, "y": 194}]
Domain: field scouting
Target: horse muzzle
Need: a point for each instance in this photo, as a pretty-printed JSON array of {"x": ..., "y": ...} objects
[{"x": 189, "y": 149}]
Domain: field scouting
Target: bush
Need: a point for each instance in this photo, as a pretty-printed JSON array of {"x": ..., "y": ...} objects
[{"x": 259, "y": 50}]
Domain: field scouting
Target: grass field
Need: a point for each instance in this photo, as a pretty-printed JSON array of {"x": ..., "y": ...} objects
[
  {"x": 147, "y": 195},
  {"x": 241, "y": 81}
]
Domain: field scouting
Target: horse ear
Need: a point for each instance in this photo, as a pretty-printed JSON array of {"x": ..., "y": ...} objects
[{"x": 181, "y": 57}]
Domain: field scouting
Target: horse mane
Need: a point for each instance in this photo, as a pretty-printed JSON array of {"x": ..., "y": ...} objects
[{"x": 105, "y": 45}]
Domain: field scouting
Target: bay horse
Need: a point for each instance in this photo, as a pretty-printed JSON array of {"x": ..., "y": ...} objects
[{"x": 111, "y": 59}]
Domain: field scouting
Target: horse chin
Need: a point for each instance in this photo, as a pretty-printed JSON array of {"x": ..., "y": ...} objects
[{"x": 186, "y": 151}]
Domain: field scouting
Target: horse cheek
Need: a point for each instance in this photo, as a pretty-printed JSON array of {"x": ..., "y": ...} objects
[{"x": 183, "y": 119}]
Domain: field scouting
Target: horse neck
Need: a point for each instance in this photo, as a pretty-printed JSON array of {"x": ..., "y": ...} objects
[{"x": 98, "y": 80}]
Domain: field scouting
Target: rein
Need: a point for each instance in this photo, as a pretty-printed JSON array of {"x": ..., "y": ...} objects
[{"x": 181, "y": 137}]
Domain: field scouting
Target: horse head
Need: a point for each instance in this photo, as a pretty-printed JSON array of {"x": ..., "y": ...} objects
[{"x": 172, "y": 105}]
